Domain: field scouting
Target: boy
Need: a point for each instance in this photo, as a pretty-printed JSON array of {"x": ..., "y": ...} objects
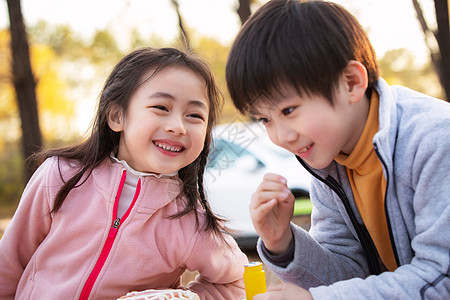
[{"x": 379, "y": 155}]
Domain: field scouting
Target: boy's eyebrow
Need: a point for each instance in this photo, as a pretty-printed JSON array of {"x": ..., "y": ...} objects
[
  {"x": 197, "y": 103},
  {"x": 253, "y": 111}
]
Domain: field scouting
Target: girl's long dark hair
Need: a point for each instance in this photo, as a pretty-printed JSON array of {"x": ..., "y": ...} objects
[{"x": 117, "y": 91}]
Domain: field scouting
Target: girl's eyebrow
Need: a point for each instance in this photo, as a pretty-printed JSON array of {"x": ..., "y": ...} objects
[
  {"x": 162, "y": 95},
  {"x": 196, "y": 103}
]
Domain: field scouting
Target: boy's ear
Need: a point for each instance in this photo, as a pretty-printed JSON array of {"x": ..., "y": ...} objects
[
  {"x": 115, "y": 119},
  {"x": 356, "y": 80}
]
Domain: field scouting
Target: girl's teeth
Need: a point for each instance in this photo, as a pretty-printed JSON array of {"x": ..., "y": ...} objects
[{"x": 169, "y": 148}]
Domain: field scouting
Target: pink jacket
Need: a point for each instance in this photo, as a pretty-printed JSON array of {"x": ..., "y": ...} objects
[{"x": 79, "y": 251}]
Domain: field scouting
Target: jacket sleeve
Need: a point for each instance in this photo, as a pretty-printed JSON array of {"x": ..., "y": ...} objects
[
  {"x": 329, "y": 252},
  {"x": 27, "y": 229},
  {"x": 220, "y": 266},
  {"x": 424, "y": 271},
  {"x": 423, "y": 195}
]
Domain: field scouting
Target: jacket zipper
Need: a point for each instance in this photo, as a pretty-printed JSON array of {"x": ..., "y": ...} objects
[
  {"x": 391, "y": 235},
  {"x": 364, "y": 237},
  {"x": 110, "y": 239},
  {"x": 361, "y": 231}
]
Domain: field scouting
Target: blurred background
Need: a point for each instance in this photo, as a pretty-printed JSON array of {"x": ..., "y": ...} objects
[{"x": 56, "y": 54}]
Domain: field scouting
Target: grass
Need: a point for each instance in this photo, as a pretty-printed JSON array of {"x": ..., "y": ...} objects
[{"x": 303, "y": 206}]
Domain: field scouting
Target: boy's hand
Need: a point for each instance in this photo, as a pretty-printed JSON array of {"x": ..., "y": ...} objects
[
  {"x": 271, "y": 210},
  {"x": 284, "y": 291}
]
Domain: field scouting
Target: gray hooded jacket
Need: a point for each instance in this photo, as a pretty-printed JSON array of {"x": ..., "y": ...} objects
[{"x": 413, "y": 145}]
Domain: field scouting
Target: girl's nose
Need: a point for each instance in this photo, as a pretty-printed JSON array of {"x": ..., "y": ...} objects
[{"x": 176, "y": 126}]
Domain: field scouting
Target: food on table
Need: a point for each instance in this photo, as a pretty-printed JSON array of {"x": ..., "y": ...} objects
[{"x": 161, "y": 295}]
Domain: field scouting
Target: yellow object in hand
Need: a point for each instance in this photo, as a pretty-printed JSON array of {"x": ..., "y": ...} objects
[{"x": 254, "y": 279}]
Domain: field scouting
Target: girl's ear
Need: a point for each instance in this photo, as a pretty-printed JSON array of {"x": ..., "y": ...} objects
[
  {"x": 356, "y": 81},
  {"x": 115, "y": 119}
]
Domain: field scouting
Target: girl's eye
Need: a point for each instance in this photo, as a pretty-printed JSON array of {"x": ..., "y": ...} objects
[
  {"x": 161, "y": 107},
  {"x": 287, "y": 111},
  {"x": 197, "y": 116}
]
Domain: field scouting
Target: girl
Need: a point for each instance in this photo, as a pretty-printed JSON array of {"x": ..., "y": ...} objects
[{"x": 126, "y": 209}]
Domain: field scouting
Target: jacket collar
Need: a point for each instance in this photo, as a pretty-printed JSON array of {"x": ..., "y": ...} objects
[{"x": 155, "y": 192}]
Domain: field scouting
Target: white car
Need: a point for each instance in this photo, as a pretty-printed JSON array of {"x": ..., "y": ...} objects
[{"x": 240, "y": 156}]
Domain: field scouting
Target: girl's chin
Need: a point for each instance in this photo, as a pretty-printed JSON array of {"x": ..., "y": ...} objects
[{"x": 167, "y": 170}]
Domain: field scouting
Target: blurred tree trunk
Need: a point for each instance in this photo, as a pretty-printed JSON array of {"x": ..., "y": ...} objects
[
  {"x": 443, "y": 40},
  {"x": 440, "y": 57},
  {"x": 24, "y": 85},
  {"x": 183, "y": 34},
  {"x": 243, "y": 10}
]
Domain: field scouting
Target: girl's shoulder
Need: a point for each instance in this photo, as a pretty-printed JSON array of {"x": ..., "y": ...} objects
[
  {"x": 181, "y": 203},
  {"x": 63, "y": 168},
  {"x": 50, "y": 175},
  {"x": 57, "y": 170}
]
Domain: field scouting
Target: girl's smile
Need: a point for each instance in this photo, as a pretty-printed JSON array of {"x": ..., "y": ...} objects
[
  {"x": 164, "y": 127},
  {"x": 168, "y": 147}
]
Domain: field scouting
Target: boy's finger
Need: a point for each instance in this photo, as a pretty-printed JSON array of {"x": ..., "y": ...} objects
[
  {"x": 264, "y": 208},
  {"x": 268, "y": 184},
  {"x": 276, "y": 287},
  {"x": 275, "y": 178},
  {"x": 260, "y": 198},
  {"x": 272, "y": 187},
  {"x": 268, "y": 296}
]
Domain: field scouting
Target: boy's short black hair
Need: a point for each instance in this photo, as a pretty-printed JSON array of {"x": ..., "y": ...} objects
[{"x": 304, "y": 45}]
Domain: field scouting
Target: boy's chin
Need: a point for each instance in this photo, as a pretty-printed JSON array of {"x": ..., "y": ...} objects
[{"x": 318, "y": 164}]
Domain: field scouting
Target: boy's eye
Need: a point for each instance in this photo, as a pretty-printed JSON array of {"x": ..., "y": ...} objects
[
  {"x": 287, "y": 111},
  {"x": 263, "y": 120}
]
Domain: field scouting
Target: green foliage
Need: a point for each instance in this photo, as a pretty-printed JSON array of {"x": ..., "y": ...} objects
[
  {"x": 51, "y": 88},
  {"x": 399, "y": 67},
  {"x": 66, "y": 64},
  {"x": 104, "y": 48},
  {"x": 61, "y": 38},
  {"x": 216, "y": 55},
  {"x": 302, "y": 206},
  {"x": 11, "y": 180}
]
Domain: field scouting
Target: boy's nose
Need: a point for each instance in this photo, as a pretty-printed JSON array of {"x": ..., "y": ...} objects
[
  {"x": 287, "y": 138},
  {"x": 282, "y": 135},
  {"x": 286, "y": 135}
]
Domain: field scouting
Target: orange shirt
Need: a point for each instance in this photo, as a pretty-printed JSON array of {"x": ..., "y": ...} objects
[{"x": 369, "y": 185}]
